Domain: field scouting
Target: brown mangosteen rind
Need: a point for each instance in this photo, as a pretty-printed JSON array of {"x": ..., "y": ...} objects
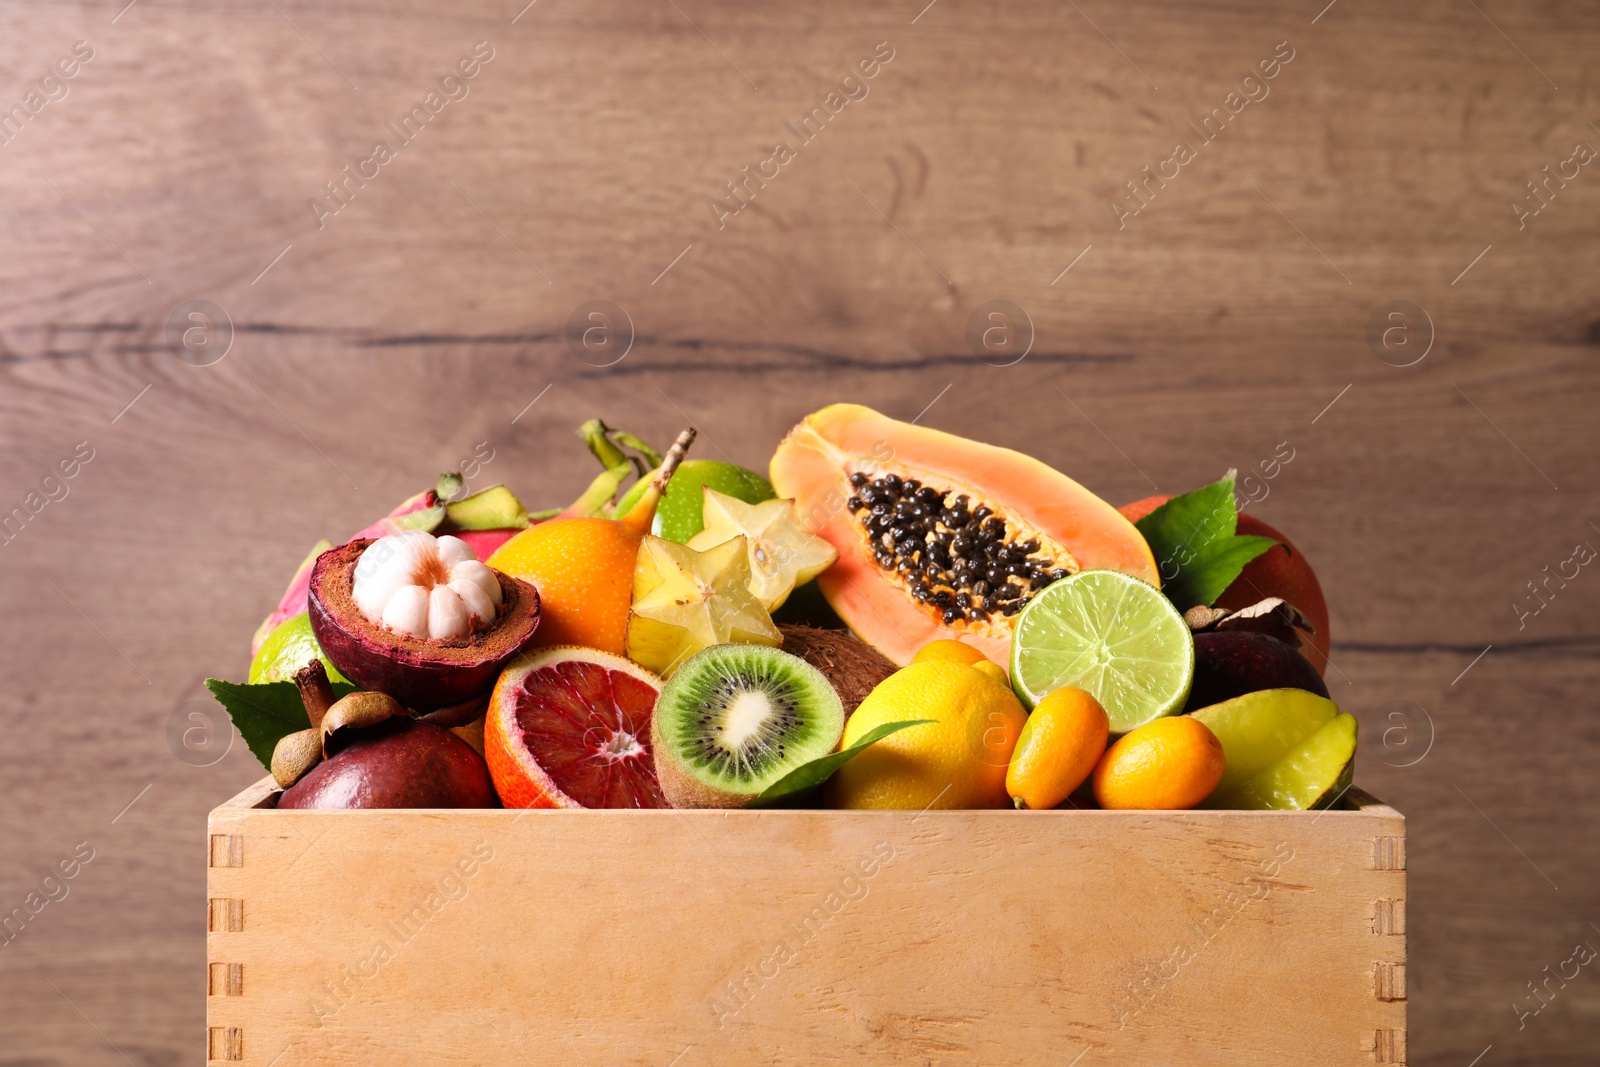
[
  {"x": 423, "y": 674},
  {"x": 400, "y": 763}
]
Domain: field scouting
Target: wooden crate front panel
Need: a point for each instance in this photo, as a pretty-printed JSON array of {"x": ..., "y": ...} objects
[{"x": 801, "y": 938}]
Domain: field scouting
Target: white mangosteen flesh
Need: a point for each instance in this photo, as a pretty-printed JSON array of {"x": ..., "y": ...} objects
[{"x": 428, "y": 587}]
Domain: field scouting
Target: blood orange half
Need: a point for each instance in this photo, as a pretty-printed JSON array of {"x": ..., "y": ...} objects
[{"x": 569, "y": 727}]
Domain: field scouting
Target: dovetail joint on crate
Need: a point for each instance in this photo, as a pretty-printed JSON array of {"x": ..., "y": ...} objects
[
  {"x": 1388, "y": 853},
  {"x": 227, "y": 850},
  {"x": 1389, "y": 1046},
  {"x": 226, "y": 980},
  {"x": 1389, "y": 916},
  {"x": 1389, "y": 981},
  {"x": 227, "y": 915},
  {"x": 225, "y": 1043}
]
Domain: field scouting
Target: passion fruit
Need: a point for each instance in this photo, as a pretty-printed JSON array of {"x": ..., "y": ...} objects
[
  {"x": 419, "y": 618},
  {"x": 397, "y": 763}
]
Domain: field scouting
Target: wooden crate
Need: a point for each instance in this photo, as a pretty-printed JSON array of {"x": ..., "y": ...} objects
[{"x": 680, "y": 939}]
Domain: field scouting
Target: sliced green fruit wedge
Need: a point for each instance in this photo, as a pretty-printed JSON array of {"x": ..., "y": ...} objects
[
  {"x": 496, "y": 508},
  {"x": 1285, "y": 749},
  {"x": 1111, "y": 634}
]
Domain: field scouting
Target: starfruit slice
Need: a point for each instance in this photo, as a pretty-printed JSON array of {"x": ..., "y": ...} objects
[
  {"x": 782, "y": 553},
  {"x": 685, "y": 600}
]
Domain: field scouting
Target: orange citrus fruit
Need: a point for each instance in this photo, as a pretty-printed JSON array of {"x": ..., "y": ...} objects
[
  {"x": 1060, "y": 744},
  {"x": 570, "y": 728},
  {"x": 957, "y": 761},
  {"x": 1169, "y": 764},
  {"x": 583, "y": 567}
]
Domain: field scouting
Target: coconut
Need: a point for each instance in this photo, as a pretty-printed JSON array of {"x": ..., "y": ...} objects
[{"x": 854, "y": 669}]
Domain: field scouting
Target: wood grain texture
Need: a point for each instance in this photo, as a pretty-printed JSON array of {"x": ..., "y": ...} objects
[
  {"x": 795, "y": 938},
  {"x": 384, "y": 347}
]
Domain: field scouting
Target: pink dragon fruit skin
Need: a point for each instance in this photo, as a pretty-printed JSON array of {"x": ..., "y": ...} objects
[{"x": 297, "y": 597}]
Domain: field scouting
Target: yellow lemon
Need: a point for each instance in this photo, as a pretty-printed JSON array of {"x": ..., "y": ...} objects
[
  {"x": 957, "y": 761},
  {"x": 948, "y": 651},
  {"x": 993, "y": 670}
]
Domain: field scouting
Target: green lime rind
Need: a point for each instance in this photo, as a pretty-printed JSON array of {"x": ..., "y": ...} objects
[
  {"x": 1108, "y": 633},
  {"x": 290, "y": 646}
]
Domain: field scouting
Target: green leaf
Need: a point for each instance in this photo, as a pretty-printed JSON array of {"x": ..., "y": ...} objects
[
  {"x": 809, "y": 775},
  {"x": 1220, "y": 562},
  {"x": 1197, "y": 550},
  {"x": 266, "y": 711}
]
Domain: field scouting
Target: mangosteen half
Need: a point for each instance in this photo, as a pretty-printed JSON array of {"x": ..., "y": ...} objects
[{"x": 418, "y": 640}]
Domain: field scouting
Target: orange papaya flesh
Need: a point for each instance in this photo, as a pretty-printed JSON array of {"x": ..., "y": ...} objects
[{"x": 918, "y": 560}]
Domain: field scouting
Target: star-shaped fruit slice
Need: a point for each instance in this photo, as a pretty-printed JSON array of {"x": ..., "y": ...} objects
[
  {"x": 685, "y": 600},
  {"x": 783, "y": 553}
]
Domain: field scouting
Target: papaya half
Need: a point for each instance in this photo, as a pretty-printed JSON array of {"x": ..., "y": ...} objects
[{"x": 939, "y": 536}]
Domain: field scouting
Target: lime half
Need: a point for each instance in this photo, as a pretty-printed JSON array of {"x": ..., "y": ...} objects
[
  {"x": 288, "y": 648},
  {"x": 1111, "y": 634}
]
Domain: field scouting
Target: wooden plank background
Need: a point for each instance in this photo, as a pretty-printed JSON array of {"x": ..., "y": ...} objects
[{"x": 426, "y": 316}]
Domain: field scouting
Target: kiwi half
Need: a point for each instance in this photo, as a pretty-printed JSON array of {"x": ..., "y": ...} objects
[{"x": 736, "y": 718}]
